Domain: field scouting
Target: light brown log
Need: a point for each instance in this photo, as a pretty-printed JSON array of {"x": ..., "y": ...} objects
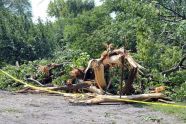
[
  {"x": 97, "y": 99},
  {"x": 94, "y": 89}
]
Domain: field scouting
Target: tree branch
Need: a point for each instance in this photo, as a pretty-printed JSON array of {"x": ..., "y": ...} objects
[
  {"x": 176, "y": 67},
  {"x": 173, "y": 11}
]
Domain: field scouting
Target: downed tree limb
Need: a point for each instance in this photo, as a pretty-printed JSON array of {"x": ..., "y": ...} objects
[
  {"x": 86, "y": 85},
  {"x": 30, "y": 90},
  {"x": 73, "y": 87},
  {"x": 176, "y": 67},
  {"x": 98, "y": 99},
  {"x": 35, "y": 81}
]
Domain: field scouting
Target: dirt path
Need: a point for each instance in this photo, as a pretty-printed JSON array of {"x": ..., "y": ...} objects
[{"x": 47, "y": 109}]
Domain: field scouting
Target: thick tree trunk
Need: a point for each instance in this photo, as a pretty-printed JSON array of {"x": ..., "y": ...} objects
[{"x": 128, "y": 88}]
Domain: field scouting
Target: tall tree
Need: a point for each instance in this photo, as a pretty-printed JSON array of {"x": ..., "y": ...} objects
[
  {"x": 18, "y": 7},
  {"x": 69, "y": 8}
]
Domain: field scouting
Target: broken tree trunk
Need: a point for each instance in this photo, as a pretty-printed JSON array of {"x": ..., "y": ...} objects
[
  {"x": 128, "y": 88},
  {"x": 99, "y": 74}
]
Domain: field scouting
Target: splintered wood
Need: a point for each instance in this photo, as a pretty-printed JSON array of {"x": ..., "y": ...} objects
[{"x": 99, "y": 74}]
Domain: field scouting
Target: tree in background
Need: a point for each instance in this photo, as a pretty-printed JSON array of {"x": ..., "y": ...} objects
[{"x": 20, "y": 39}]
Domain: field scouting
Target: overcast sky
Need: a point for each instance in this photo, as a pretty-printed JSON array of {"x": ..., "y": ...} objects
[{"x": 39, "y": 8}]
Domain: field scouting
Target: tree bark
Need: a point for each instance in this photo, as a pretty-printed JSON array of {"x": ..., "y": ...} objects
[{"x": 128, "y": 88}]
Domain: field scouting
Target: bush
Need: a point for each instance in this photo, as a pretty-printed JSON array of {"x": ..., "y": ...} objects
[
  {"x": 18, "y": 72},
  {"x": 68, "y": 58}
]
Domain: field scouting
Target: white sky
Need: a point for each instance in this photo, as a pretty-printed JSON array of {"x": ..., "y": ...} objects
[{"x": 39, "y": 9}]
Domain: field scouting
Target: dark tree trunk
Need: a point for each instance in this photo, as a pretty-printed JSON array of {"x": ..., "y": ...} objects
[{"x": 128, "y": 88}]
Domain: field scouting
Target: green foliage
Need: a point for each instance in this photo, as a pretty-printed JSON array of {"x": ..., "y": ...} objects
[
  {"x": 178, "y": 84},
  {"x": 22, "y": 40},
  {"x": 18, "y": 7},
  {"x": 69, "y": 60},
  {"x": 69, "y": 8},
  {"x": 81, "y": 60},
  {"x": 18, "y": 72},
  {"x": 180, "y": 94}
]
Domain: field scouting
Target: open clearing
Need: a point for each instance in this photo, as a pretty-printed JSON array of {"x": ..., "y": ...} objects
[{"x": 52, "y": 109}]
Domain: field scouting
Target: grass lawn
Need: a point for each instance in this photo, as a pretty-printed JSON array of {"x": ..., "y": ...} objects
[{"x": 176, "y": 111}]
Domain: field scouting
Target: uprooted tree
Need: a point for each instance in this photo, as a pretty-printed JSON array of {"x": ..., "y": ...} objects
[
  {"x": 92, "y": 79},
  {"x": 94, "y": 74},
  {"x": 117, "y": 57}
]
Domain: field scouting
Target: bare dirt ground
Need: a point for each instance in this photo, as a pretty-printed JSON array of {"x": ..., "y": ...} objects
[{"x": 50, "y": 109}]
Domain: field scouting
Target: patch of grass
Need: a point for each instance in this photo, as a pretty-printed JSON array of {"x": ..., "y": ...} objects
[
  {"x": 10, "y": 110},
  {"x": 153, "y": 118},
  {"x": 178, "y": 112},
  {"x": 107, "y": 114}
]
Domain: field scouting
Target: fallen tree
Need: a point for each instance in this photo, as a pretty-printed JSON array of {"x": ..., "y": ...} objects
[{"x": 115, "y": 58}]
